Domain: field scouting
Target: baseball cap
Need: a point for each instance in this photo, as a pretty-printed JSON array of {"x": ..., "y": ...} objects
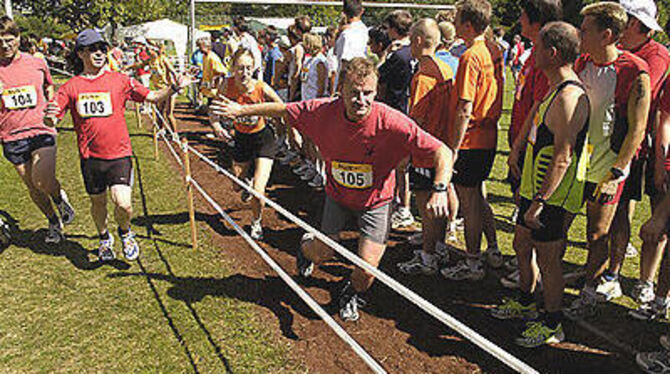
[
  {"x": 644, "y": 10},
  {"x": 88, "y": 37}
]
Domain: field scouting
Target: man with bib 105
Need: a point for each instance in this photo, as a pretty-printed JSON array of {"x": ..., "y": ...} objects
[
  {"x": 361, "y": 141},
  {"x": 96, "y": 98}
]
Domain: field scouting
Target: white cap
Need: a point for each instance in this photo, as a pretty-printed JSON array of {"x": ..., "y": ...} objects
[{"x": 643, "y": 10}]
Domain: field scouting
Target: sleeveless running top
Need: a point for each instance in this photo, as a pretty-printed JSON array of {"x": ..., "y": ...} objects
[
  {"x": 539, "y": 153},
  {"x": 247, "y": 124}
]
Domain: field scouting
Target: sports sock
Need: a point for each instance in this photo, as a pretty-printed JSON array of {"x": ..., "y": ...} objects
[
  {"x": 53, "y": 219},
  {"x": 104, "y": 235}
]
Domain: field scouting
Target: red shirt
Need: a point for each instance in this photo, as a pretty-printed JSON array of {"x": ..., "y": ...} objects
[
  {"x": 360, "y": 157},
  {"x": 532, "y": 86},
  {"x": 22, "y": 104},
  {"x": 664, "y": 105},
  {"x": 141, "y": 55},
  {"x": 97, "y": 107}
]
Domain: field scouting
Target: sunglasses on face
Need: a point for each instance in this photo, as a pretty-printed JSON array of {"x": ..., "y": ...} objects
[{"x": 97, "y": 47}]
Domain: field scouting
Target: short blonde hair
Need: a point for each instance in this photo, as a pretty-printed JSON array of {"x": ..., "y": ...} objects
[
  {"x": 427, "y": 29},
  {"x": 359, "y": 68},
  {"x": 607, "y": 15},
  {"x": 312, "y": 43}
]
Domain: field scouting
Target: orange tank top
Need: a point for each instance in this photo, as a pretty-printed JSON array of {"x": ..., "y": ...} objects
[{"x": 247, "y": 124}]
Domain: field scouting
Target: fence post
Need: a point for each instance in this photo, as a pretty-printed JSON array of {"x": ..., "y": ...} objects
[
  {"x": 155, "y": 129},
  {"x": 138, "y": 115},
  {"x": 189, "y": 192}
]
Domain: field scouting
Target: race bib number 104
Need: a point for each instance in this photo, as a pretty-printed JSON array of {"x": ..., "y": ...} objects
[
  {"x": 349, "y": 175},
  {"x": 94, "y": 104},
  {"x": 19, "y": 97}
]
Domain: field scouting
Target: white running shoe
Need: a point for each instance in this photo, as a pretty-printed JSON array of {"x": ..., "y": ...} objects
[
  {"x": 416, "y": 265},
  {"x": 643, "y": 292},
  {"x": 65, "y": 210},
  {"x": 256, "y": 230},
  {"x": 5, "y": 233},
  {"x": 650, "y": 311},
  {"x": 106, "y": 249},
  {"x": 654, "y": 362},
  {"x": 317, "y": 181},
  {"x": 54, "y": 233},
  {"x": 401, "y": 218},
  {"x": 464, "y": 271},
  {"x": 511, "y": 280},
  {"x": 131, "y": 250},
  {"x": 582, "y": 307},
  {"x": 631, "y": 251},
  {"x": 608, "y": 290}
]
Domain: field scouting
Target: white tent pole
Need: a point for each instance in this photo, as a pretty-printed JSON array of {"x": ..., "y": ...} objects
[{"x": 191, "y": 41}]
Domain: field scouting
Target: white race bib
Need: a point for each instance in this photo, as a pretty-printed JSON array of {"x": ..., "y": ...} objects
[
  {"x": 19, "y": 97},
  {"x": 94, "y": 104},
  {"x": 358, "y": 176}
]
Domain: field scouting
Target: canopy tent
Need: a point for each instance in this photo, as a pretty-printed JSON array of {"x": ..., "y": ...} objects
[{"x": 163, "y": 29}]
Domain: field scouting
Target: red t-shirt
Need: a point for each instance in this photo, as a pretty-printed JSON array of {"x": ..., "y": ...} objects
[
  {"x": 360, "y": 157},
  {"x": 22, "y": 104},
  {"x": 532, "y": 86},
  {"x": 97, "y": 107},
  {"x": 664, "y": 105},
  {"x": 142, "y": 56}
]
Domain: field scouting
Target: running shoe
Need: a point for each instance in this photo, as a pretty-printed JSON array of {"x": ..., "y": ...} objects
[
  {"x": 511, "y": 280},
  {"x": 538, "y": 334},
  {"x": 317, "y": 181},
  {"x": 350, "y": 301},
  {"x": 309, "y": 174},
  {"x": 415, "y": 239},
  {"x": 416, "y": 266},
  {"x": 654, "y": 362},
  {"x": 459, "y": 224},
  {"x": 65, "y": 210},
  {"x": 665, "y": 342},
  {"x": 494, "y": 257},
  {"x": 643, "y": 292},
  {"x": 54, "y": 233},
  {"x": 464, "y": 271},
  {"x": 582, "y": 307},
  {"x": 513, "y": 309},
  {"x": 5, "y": 233},
  {"x": 650, "y": 311},
  {"x": 305, "y": 267},
  {"x": 256, "y": 230},
  {"x": 289, "y": 157},
  {"x": 631, "y": 251},
  {"x": 301, "y": 168},
  {"x": 608, "y": 289},
  {"x": 401, "y": 218},
  {"x": 106, "y": 249},
  {"x": 512, "y": 264},
  {"x": 131, "y": 250}
]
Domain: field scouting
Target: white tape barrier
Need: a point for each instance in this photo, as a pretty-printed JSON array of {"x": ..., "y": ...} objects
[
  {"x": 470, "y": 334},
  {"x": 60, "y": 71},
  {"x": 365, "y": 356}
]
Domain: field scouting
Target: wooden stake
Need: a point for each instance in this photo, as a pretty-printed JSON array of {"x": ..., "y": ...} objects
[
  {"x": 138, "y": 115},
  {"x": 155, "y": 142},
  {"x": 189, "y": 192}
]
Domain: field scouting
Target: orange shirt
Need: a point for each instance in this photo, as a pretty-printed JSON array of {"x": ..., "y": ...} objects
[
  {"x": 479, "y": 80},
  {"x": 430, "y": 93},
  {"x": 247, "y": 124}
]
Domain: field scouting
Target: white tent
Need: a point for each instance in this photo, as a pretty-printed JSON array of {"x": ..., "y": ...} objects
[{"x": 163, "y": 29}]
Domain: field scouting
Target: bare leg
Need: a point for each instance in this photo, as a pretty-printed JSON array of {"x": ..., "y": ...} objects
[
  {"x": 43, "y": 171},
  {"x": 620, "y": 235},
  {"x": 470, "y": 198},
  {"x": 489, "y": 223},
  {"x": 599, "y": 219},
  {"x": 528, "y": 269},
  {"x": 99, "y": 211},
  {"x": 433, "y": 229},
  {"x": 372, "y": 253},
  {"x": 549, "y": 259},
  {"x": 123, "y": 210},
  {"x": 39, "y": 198},
  {"x": 261, "y": 177},
  {"x": 651, "y": 252}
]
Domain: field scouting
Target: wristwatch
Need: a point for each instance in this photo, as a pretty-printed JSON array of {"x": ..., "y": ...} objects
[
  {"x": 440, "y": 187},
  {"x": 617, "y": 173}
]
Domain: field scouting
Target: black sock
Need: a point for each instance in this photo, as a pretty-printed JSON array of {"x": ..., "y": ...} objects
[
  {"x": 57, "y": 200},
  {"x": 526, "y": 298},
  {"x": 121, "y": 232},
  {"x": 53, "y": 219},
  {"x": 104, "y": 235},
  {"x": 552, "y": 319}
]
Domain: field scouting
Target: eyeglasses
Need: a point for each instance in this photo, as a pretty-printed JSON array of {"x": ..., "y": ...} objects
[{"x": 102, "y": 47}]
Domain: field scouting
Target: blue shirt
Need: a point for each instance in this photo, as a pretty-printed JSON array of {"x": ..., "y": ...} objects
[
  {"x": 449, "y": 59},
  {"x": 270, "y": 59},
  {"x": 196, "y": 60}
]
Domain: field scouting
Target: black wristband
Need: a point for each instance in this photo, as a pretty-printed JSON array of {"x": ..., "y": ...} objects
[{"x": 440, "y": 187}]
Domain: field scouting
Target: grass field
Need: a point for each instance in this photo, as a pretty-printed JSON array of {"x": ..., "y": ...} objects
[{"x": 64, "y": 312}]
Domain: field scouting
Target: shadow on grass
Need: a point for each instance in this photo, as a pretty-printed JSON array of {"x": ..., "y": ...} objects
[{"x": 70, "y": 249}]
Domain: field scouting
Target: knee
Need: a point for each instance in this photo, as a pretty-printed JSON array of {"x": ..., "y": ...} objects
[
  {"x": 597, "y": 234},
  {"x": 124, "y": 206}
]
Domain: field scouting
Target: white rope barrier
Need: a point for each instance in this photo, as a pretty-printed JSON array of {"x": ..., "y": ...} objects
[
  {"x": 60, "y": 71},
  {"x": 360, "y": 351},
  {"x": 470, "y": 334}
]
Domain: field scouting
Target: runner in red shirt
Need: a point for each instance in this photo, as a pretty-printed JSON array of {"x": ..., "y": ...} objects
[
  {"x": 96, "y": 99},
  {"x": 362, "y": 142},
  {"x": 25, "y": 84},
  {"x": 636, "y": 38}
]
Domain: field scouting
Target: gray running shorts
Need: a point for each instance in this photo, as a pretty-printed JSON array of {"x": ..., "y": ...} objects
[{"x": 373, "y": 224}]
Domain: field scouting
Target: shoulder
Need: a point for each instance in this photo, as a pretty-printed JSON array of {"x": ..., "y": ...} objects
[{"x": 629, "y": 62}]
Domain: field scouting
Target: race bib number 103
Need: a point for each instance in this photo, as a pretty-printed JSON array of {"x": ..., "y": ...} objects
[
  {"x": 94, "y": 104},
  {"x": 19, "y": 97},
  {"x": 349, "y": 175}
]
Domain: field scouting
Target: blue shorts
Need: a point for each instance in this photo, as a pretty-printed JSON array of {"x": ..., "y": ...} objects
[{"x": 20, "y": 151}]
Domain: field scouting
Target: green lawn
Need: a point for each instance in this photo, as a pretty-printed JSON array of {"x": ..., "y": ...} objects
[{"x": 63, "y": 312}]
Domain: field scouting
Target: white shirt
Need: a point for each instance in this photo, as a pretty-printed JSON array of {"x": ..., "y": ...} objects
[
  {"x": 352, "y": 42},
  {"x": 310, "y": 76}
]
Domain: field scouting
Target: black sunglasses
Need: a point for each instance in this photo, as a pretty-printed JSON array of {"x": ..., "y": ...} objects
[{"x": 96, "y": 47}]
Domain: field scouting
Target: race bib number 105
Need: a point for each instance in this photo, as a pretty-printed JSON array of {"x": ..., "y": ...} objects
[
  {"x": 357, "y": 176},
  {"x": 19, "y": 97},
  {"x": 94, "y": 104}
]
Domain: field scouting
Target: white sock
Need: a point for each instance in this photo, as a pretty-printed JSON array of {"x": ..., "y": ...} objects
[{"x": 403, "y": 210}]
